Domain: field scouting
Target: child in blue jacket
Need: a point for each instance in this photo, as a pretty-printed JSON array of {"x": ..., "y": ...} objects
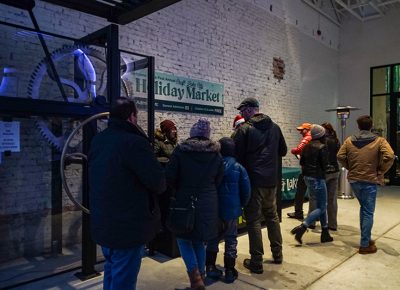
[{"x": 233, "y": 194}]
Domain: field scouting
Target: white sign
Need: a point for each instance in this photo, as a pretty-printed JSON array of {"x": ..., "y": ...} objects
[{"x": 9, "y": 136}]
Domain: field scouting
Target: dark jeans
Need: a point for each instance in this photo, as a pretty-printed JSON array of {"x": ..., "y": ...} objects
[
  {"x": 263, "y": 204},
  {"x": 332, "y": 180},
  {"x": 229, "y": 235},
  {"x": 121, "y": 268},
  {"x": 299, "y": 197}
]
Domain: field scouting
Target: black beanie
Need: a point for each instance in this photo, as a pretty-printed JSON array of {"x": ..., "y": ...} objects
[{"x": 227, "y": 147}]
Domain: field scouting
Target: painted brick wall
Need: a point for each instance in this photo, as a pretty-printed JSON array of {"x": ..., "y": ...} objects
[{"x": 226, "y": 41}]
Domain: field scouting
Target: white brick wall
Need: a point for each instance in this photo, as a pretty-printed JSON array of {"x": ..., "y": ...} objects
[{"x": 226, "y": 41}]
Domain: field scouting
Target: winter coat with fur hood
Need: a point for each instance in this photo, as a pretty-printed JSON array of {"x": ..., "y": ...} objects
[
  {"x": 196, "y": 167},
  {"x": 366, "y": 156}
]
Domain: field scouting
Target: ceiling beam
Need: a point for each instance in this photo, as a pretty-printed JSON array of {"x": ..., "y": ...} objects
[
  {"x": 21, "y": 4},
  {"x": 345, "y": 6},
  {"x": 388, "y": 2},
  {"x": 322, "y": 12},
  {"x": 90, "y": 7},
  {"x": 141, "y": 11},
  {"x": 373, "y": 5}
]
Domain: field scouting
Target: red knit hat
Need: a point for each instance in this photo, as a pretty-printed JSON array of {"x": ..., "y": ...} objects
[
  {"x": 238, "y": 120},
  {"x": 167, "y": 125}
]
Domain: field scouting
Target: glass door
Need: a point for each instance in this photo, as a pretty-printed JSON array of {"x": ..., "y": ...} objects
[{"x": 385, "y": 110}]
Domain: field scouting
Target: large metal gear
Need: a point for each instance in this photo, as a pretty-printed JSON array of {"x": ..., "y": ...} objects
[{"x": 85, "y": 92}]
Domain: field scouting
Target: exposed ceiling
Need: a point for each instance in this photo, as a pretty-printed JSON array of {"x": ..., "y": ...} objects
[
  {"x": 116, "y": 11},
  {"x": 363, "y": 10}
]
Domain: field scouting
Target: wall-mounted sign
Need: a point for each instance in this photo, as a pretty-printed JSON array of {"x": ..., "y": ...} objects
[
  {"x": 9, "y": 136},
  {"x": 174, "y": 93}
]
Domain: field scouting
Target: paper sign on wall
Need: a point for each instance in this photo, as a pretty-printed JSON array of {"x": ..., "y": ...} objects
[{"x": 9, "y": 136}]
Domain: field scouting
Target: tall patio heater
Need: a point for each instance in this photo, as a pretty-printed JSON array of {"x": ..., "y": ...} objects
[{"x": 343, "y": 113}]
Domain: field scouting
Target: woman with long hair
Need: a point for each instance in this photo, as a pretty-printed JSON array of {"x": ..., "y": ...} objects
[{"x": 332, "y": 174}]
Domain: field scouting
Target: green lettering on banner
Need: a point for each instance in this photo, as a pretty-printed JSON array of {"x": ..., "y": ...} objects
[{"x": 192, "y": 95}]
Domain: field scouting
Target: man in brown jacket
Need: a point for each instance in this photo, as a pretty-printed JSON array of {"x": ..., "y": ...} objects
[{"x": 367, "y": 157}]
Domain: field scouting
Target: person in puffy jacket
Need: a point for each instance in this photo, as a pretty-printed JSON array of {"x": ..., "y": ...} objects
[
  {"x": 314, "y": 162},
  {"x": 367, "y": 157},
  {"x": 165, "y": 140},
  {"x": 304, "y": 130},
  {"x": 233, "y": 194},
  {"x": 196, "y": 167},
  {"x": 259, "y": 146}
]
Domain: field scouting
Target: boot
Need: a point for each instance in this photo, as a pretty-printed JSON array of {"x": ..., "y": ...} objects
[
  {"x": 253, "y": 267},
  {"x": 196, "y": 283},
  {"x": 296, "y": 215},
  {"x": 231, "y": 273},
  {"x": 325, "y": 236},
  {"x": 298, "y": 233},
  {"x": 212, "y": 271}
]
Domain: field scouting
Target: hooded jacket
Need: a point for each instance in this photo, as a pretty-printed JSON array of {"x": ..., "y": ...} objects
[
  {"x": 163, "y": 147},
  {"x": 196, "y": 167},
  {"x": 259, "y": 145},
  {"x": 124, "y": 180},
  {"x": 366, "y": 156},
  {"x": 234, "y": 191}
]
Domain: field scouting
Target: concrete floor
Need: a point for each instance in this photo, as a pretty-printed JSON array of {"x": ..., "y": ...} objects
[{"x": 335, "y": 265}]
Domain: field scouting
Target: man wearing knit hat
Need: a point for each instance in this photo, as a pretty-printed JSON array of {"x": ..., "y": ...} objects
[
  {"x": 304, "y": 130},
  {"x": 165, "y": 139},
  {"x": 259, "y": 146}
]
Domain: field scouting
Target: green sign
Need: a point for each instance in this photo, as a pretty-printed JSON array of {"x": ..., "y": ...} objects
[{"x": 173, "y": 93}]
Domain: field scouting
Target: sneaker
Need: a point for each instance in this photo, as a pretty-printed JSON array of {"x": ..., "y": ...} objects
[
  {"x": 294, "y": 215},
  {"x": 254, "y": 268},
  {"x": 213, "y": 272},
  {"x": 371, "y": 249}
]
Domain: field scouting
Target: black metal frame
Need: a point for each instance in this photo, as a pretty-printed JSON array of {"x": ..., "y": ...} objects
[
  {"x": 24, "y": 108},
  {"x": 394, "y": 113}
]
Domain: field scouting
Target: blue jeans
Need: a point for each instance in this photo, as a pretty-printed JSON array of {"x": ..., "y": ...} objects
[
  {"x": 366, "y": 195},
  {"x": 229, "y": 235},
  {"x": 318, "y": 193},
  {"x": 193, "y": 253},
  {"x": 121, "y": 268}
]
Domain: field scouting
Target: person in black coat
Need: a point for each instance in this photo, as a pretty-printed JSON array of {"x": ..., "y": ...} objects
[
  {"x": 259, "y": 146},
  {"x": 314, "y": 162},
  {"x": 332, "y": 174},
  {"x": 124, "y": 181},
  {"x": 196, "y": 167}
]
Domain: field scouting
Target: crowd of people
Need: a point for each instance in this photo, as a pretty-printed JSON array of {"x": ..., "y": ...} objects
[{"x": 127, "y": 175}]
